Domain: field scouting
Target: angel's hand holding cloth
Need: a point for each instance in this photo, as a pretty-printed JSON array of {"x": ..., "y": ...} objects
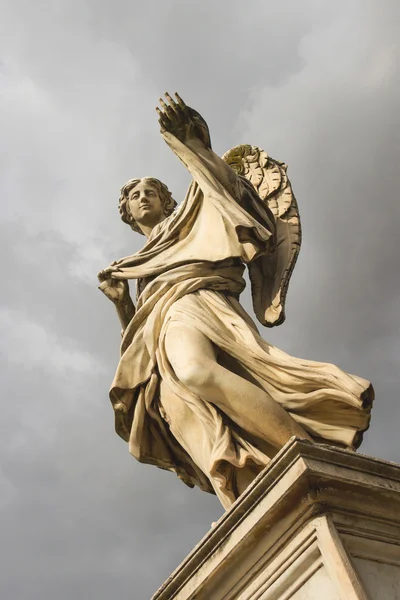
[{"x": 117, "y": 290}]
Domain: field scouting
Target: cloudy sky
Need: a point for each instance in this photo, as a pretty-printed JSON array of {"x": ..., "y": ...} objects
[{"x": 313, "y": 83}]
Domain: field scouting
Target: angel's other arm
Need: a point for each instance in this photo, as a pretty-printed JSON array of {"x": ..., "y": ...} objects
[{"x": 118, "y": 292}]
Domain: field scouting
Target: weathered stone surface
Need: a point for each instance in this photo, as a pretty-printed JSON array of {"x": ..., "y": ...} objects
[
  {"x": 198, "y": 390},
  {"x": 318, "y": 522}
]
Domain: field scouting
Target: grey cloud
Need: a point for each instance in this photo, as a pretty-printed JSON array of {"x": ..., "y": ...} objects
[{"x": 314, "y": 86}]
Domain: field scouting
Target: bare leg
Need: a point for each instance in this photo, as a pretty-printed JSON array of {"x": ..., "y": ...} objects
[{"x": 193, "y": 358}]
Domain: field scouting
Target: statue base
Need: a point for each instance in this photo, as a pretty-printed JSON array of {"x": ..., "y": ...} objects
[{"x": 318, "y": 522}]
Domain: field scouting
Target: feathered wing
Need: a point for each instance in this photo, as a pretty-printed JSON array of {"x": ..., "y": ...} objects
[{"x": 270, "y": 273}]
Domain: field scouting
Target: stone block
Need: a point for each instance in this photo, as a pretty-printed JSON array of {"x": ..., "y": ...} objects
[{"x": 317, "y": 522}]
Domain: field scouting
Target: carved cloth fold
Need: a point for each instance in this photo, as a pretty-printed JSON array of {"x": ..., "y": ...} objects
[{"x": 190, "y": 272}]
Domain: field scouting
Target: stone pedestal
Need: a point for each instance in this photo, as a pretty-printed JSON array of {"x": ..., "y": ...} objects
[{"x": 318, "y": 522}]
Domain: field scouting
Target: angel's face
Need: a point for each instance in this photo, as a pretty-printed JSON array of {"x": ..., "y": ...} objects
[{"x": 145, "y": 204}]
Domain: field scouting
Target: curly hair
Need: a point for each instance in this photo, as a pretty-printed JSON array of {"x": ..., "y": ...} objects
[{"x": 167, "y": 201}]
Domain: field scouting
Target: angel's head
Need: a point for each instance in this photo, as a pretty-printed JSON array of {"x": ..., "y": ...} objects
[{"x": 144, "y": 203}]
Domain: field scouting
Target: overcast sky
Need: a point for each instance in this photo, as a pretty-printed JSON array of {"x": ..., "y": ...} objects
[{"x": 312, "y": 82}]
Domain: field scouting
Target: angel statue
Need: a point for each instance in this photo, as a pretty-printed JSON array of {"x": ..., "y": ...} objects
[{"x": 197, "y": 390}]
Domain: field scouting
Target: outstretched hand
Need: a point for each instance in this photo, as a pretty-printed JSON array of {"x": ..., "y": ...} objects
[{"x": 177, "y": 118}]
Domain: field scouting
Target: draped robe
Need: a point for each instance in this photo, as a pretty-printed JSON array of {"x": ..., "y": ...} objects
[{"x": 190, "y": 273}]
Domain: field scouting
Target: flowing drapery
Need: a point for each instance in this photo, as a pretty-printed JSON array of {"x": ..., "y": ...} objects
[{"x": 190, "y": 272}]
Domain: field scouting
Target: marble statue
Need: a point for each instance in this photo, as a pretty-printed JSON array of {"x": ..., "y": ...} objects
[{"x": 197, "y": 390}]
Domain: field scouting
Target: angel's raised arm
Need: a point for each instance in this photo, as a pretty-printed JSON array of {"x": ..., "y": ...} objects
[{"x": 187, "y": 134}]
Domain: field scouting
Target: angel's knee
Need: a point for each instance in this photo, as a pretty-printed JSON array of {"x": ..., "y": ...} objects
[
  {"x": 195, "y": 373},
  {"x": 192, "y": 357}
]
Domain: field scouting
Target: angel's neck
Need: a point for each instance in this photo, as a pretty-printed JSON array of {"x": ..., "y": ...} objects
[{"x": 146, "y": 230}]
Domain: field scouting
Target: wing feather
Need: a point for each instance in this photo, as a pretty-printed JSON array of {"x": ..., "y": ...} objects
[{"x": 270, "y": 274}]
